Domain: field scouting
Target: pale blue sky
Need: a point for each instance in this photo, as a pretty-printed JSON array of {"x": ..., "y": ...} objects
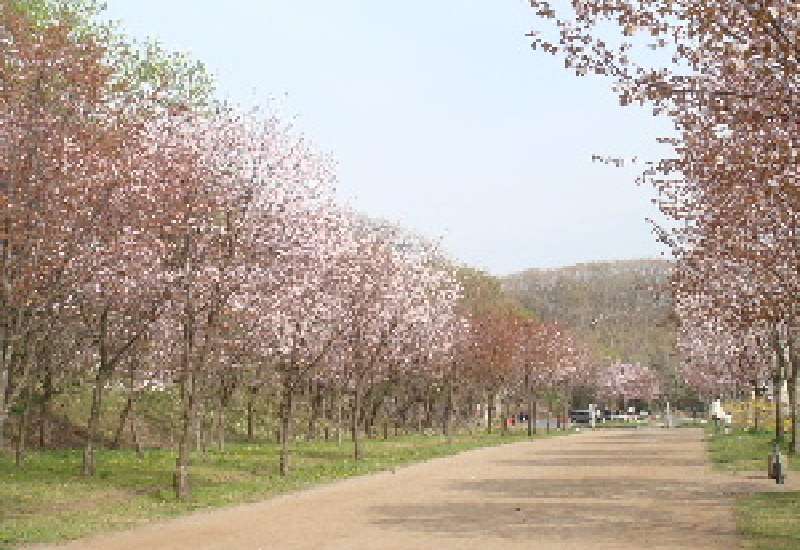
[{"x": 440, "y": 115}]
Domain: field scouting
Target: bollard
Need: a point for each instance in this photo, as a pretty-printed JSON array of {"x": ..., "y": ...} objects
[{"x": 776, "y": 465}]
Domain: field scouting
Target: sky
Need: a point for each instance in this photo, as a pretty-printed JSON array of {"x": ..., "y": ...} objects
[{"x": 441, "y": 118}]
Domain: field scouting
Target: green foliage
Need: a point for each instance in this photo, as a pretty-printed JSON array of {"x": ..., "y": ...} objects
[
  {"x": 47, "y": 500},
  {"x": 622, "y": 309},
  {"x": 142, "y": 70},
  {"x": 483, "y": 292},
  {"x": 80, "y": 13},
  {"x": 174, "y": 78}
]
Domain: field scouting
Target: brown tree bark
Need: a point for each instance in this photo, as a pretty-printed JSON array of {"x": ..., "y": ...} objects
[
  {"x": 756, "y": 407},
  {"x": 187, "y": 392},
  {"x": 504, "y": 413},
  {"x": 354, "y": 423},
  {"x": 103, "y": 376},
  {"x": 448, "y": 413},
  {"x": 428, "y": 411},
  {"x": 135, "y": 437},
  {"x": 181, "y": 478},
  {"x": 339, "y": 407},
  {"x": 251, "y": 397},
  {"x": 123, "y": 420},
  {"x": 313, "y": 405},
  {"x": 221, "y": 426},
  {"x": 793, "y": 398},
  {"x": 778, "y": 394},
  {"x": 3, "y": 407},
  {"x": 531, "y": 415},
  {"x": 44, "y": 408},
  {"x": 286, "y": 426},
  {"x": 22, "y": 428},
  {"x": 490, "y": 413}
]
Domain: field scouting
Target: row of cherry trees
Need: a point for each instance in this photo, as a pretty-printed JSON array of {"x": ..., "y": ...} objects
[
  {"x": 725, "y": 73},
  {"x": 156, "y": 240}
]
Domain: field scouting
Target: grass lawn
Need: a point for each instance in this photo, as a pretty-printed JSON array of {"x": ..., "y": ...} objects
[
  {"x": 742, "y": 450},
  {"x": 621, "y": 424},
  {"x": 47, "y": 500},
  {"x": 768, "y": 521}
]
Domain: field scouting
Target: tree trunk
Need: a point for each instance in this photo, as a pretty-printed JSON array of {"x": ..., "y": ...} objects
[
  {"x": 103, "y": 375},
  {"x": 5, "y": 357},
  {"x": 313, "y": 405},
  {"x": 135, "y": 437},
  {"x": 181, "y": 478},
  {"x": 531, "y": 416},
  {"x": 756, "y": 407},
  {"x": 778, "y": 397},
  {"x": 793, "y": 399},
  {"x": 250, "y": 400},
  {"x": 490, "y": 413},
  {"x": 221, "y": 425},
  {"x": 367, "y": 424},
  {"x": 123, "y": 419},
  {"x": 188, "y": 395},
  {"x": 44, "y": 408},
  {"x": 354, "y": 423},
  {"x": 3, "y": 407},
  {"x": 339, "y": 406},
  {"x": 197, "y": 427},
  {"x": 504, "y": 409},
  {"x": 286, "y": 426},
  {"x": 449, "y": 410},
  {"x": 22, "y": 428},
  {"x": 549, "y": 417}
]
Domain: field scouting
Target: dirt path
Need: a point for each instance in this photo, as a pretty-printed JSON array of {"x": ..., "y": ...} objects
[{"x": 620, "y": 489}]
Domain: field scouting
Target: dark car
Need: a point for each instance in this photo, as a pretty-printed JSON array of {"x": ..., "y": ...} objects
[{"x": 581, "y": 416}]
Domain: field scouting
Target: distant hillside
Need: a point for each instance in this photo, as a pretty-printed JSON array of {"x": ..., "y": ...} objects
[{"x": 622, "y": 308}]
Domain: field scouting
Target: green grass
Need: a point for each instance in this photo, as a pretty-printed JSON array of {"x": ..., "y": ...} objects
[
  {"x": 690, "y": 423},
  {"x": 767, "y": 521},
  {"x": 47, "y": 500},
  {"x": 620, "y": 424},
  {"x": 742, "y": 450}
]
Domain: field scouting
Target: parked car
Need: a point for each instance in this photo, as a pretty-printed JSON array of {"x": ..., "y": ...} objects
[{"x": 580, "y": 416}]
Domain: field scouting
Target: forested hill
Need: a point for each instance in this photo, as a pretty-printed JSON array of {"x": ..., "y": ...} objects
[{"x": 622, "y": 308}]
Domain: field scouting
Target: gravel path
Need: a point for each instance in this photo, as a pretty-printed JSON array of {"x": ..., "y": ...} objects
[{"x": 607, "y": 489}]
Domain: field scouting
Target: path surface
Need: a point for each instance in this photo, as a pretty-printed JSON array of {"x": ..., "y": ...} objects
[{"x": 620, "y": 489}]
